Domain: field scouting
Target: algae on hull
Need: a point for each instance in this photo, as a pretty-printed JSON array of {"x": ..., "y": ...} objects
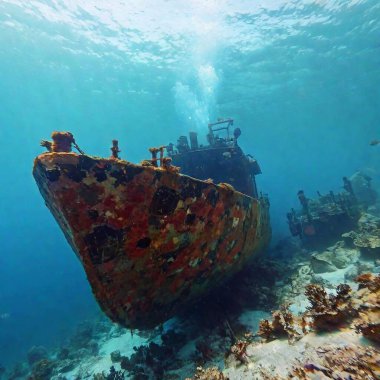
[{"x": 151, "y": 240}]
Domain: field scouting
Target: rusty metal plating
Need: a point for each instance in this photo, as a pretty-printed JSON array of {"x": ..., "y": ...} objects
[{"x": 150, "y": 239}]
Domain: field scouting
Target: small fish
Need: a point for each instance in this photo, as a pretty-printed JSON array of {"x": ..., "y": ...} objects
[
  {"x": 4, "y": 316},
  {"x": 374, "y": 142}
]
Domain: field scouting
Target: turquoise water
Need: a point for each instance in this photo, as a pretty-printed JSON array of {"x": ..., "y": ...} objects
[{"x": 300, "y": 78}]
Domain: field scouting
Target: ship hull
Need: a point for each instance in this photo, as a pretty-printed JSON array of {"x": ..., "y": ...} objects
[{"x": 150, "y": 240}]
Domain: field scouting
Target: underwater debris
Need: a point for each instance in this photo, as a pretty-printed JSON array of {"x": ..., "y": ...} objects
[{"x": 324, "y": 219}]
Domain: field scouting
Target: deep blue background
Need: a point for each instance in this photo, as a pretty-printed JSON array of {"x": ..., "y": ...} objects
[{"x": 301, "y": 80}]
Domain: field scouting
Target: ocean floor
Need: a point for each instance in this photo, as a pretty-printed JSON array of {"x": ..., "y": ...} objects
[{"x": 320, "y": 331}]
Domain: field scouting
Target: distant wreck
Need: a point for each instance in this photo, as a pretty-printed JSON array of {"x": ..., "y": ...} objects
[
  {"x": 323, "y": 219},
  {"x": 152, "y": 240}
]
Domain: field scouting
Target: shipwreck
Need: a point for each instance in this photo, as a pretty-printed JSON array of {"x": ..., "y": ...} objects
[
  {"x": 157, "y": 236},
  {"x": 323, "y": 220}
]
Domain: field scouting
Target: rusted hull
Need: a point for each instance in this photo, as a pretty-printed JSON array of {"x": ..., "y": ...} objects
[{"x": 150, "y": 240}]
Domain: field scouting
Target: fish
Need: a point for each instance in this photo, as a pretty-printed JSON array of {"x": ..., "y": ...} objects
[
  {"x": 374, "y": 142},
  {"x": 4, "y": 316}
]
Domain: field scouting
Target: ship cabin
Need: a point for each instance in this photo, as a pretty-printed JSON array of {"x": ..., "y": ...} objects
[{"x": 221, "y": 160}]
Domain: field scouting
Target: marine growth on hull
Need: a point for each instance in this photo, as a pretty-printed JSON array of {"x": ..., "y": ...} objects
[{"x": 155, "y": 237}]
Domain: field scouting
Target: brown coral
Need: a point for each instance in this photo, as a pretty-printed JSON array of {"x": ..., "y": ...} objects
[
  {"x": 349, "y": 362},
  {"x": 368, "y": 306},
  {"x": 167, "y": 165},
  {"x": 369, "y": 281},
  {"x": 211, "y": 373},
  {"x": 239, "y": 350},
  {"x": 370, "y": 330},
  {"x": 265, "y": 330},
  {"x": 327, "y": 312},
  {"x": 62, "y": 141},
  {"x": 284, "y": 324}
]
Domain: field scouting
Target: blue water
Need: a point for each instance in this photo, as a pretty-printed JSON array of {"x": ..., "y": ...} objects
[{"x": 300, "y": 78}]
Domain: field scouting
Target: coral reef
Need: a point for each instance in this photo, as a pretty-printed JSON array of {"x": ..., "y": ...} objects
[
  {"x": 239, "y": 350},
  {"x": 361, "y": 184},
  {"x": 322, "y": 330},
  {"x": 327, "y": 312},
  {"x": 112, "y": 375},
  {"x": 367, "y": 236},
  {"x": 370, "y": 330},
  {"x": 336, "y": 257},
  {"x": 212, "y": 373},
  {"x": 368, "y": 322},
  {"x": 283, "y": 324},
  {"x": 334, "y": 362},
  {"x": 154, "y": 360},
  {"x": 368, "y": 281}
]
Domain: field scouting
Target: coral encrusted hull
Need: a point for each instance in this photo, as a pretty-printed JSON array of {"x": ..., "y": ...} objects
[{"x": 150, "y": 240}]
